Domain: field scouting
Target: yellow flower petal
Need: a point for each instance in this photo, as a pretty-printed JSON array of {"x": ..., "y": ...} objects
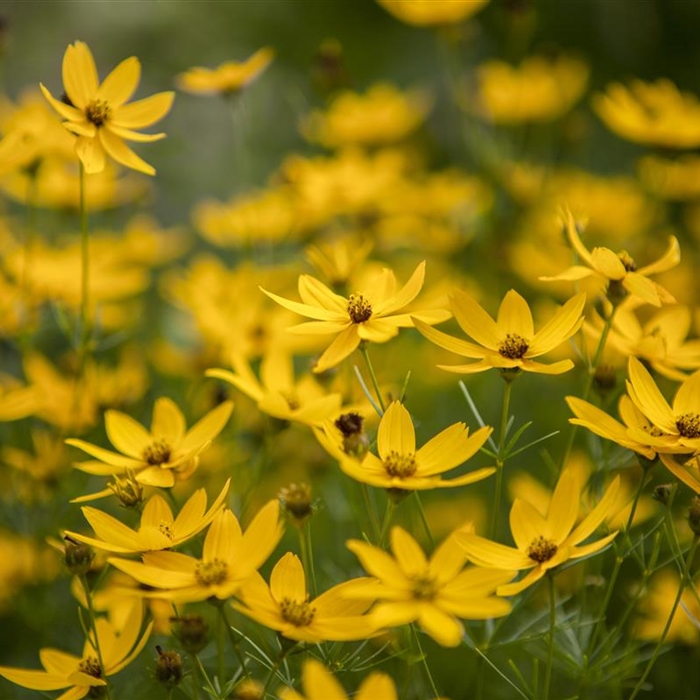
[
  {"x": 670, "y": 258},
  {"x": 604, "y": 509},
  {"x": 642, "y": 287},
  {"x": 91, "y": 153},
  {"x": 119, "y": 151},
  {"x": 563, "y": 508},
  {"x": 120, "y": 84},
  {"x": 396, "y": 432},
  {"x": 646, "y": 395},
  {"x": 143, "y": 113},
  {"x": 342, "y": 346},
  {"x": 486, "y": 553},
  {"x": 565, "y": 322},
  {"x": 474, "y": 321},
  {"x": 207, "y": 428},
  {"x": 126, "y": 434},
  {"x": 448, "y": 342},
  {"x": 80, "y": 78},
  {"x": 445, "y": 629},
  {"x": 608, "y": 263},
  {"x": 287, "y": 580},
  {"x": 514, "y": 316},
  {"x": 66, "y": 111},
  {"x": 409, "y": 555},
  {"x": 526, "y": 524}
]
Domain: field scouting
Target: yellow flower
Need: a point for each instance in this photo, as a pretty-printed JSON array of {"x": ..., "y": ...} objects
[
  {"x": 17, "y": 401},
  {"x": 544, "y": 542},
  {"x": 158, "y": 529},
  {"x": 337, "y": 260},
  {"x": 654, "y": 114},
  {"x": 428, "y": 13},
  {"x": 277, "y": 393},
  {"x": 98, "y": 115},
  {"x": 434, "y": 593},
  {"x": 539, "y": 90},
  {"x": 510, "y": 342},
  {"x": 158, "y": 457},
  {"x": 83, "y": 675},
  {"x": 618, "y": 270},
  {"x": 374, "y": 314},
  {"x": 284, "y": 606},
  {"x": 675, "y": 179},
  {"x": 400, "y": 465},
  {"x": 319, "y": 683},
  {"x": 382, "y": 116},
  {"x": 229, "y": 77},
  {"x": 229, "y": 557}
]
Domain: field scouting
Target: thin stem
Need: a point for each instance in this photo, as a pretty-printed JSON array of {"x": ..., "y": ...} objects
[
  {"x": 424, "y": 659},
  {"x": 500, "y": 461},
  {"x": 370, "y": 511},
  {"x": 388, "y": 515},
  {"x": 685, "y": 578},
  {"x": 552, "y": 624},
  {"x": 284, "y": 653},
  {"x": 85, "y": 275},
  {"x": 204, "y": 675},
  {"x": 424, "y": 520},
  {"x": 372, "y": 375},
  {"x": 307, "y": 554},
  {"x": 93, "y": 629},
  {"x": 235, "y": 642}
]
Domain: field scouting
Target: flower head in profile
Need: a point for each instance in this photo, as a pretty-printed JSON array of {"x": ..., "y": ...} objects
[
  {"x": 400, "y": 465},
  {"x": 509, "y": 343},
  {"x": 543, "y": 542},
  {"x": 433, "y": 592},
  {"x": 229, "y": 557},
  {"x": 318, "y": 683},
  {"x": 619, "y": 271},
  {"x": 158, "y": 529},
  {"x": 98, "y": 113},
  {"x": 228, "y": 78},
  {"x": 373, "y": 314},
  {"x": 285, "y": 606},
  {"x": 84, "y": 676},
  {"x": 429, "y": 13},
  {"x": 166, "y": 453}
]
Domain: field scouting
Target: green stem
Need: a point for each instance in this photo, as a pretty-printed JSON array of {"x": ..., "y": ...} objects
[
  {"x": 372, "y": 375},
  {"x": 201, "y": 670},
  {"x": 500, "y": 460},
  {"x": 93, "y": 629},
  {"x": 685, "y": 578},
  {"x": 370, "y": 511},
  {"x": 552, "y": 624},
  {"x": 424, "y": 659},
  {"x": 307, "y": 554},
  {"x": 235, "y": 642},
  {"x": 388, "y": 515},
  {"x": 275, "y": 667},
  {"x": 85, "y": 273},
  {"x": 424, "y": 520}
]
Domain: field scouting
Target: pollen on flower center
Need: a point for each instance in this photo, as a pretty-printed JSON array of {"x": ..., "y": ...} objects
[
  {"x": 424, "y": 587},
  {"x": 98, "y": 112},
  {"x": 541, "y": 549},
  {"x": 166, "y": 528},
  {"x": 359, "y": 308},
  {"x": 158, "y": 452},
  {"x": 401, "y": 465},
  {"x": 513, "y": 346},
  {"x": 627, "y": 261},
  {"x": 91, "y": 667},
  {"x": 209, "y": 573},
  {"x": 689, "y": 425},
  {"x": 297, "y": 614}
]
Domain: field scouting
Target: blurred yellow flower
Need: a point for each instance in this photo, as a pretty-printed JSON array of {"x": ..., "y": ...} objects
[
  {"x": 338, "y": 259},
  {"x": 538, "y": 90},
  {"x": 433, "y": 592},
  {"x": 674, "y": 180},
  {"x": 544, "y": 542},
  {"x": 428, "y": 13},
  {"x": 284, "y": 606},
  {"x": 374, "y": 314},
  {"x": 228, "y": 78},
  {"x": 653, "y": 114},
  {"x": 509, "y": 343},
  {"x": 318, "y": 683},
  {"x": 382, "y": 116},
  {"x": 98, "y": 115}
]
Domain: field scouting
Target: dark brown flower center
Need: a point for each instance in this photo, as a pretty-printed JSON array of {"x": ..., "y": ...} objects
[
  {"x": 400, "y": 465},
  {"x": 91, "y": 667},
  {"x": 158, "y": 452},
  {"x": 97, "y": 112},
  {"x": 513, "y": 346},
  {"x": 424, "y": 587},
  {"x": 689, "y": 425},
  {"x": 297, "y": 614},
  {"x": 167, "y": 529},
  {"x": 627, "y": 261},
  {"x": 209, "y": 573},
  {"x": 542, "y": 549},
  {"x": 359, "y": 309}
]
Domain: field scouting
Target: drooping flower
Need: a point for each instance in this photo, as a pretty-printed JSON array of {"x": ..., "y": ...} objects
[
  {"x": 433, "y": 592},
  {"x": 284, "y": 606},
  {"x": 98, "y": 115},
  {"x": 374, "y": 314},
  {"x": 399, "y": 465},
  {"x": 229, "y": 557},
  {"x": 158, "y": 529},
  {"x": 618, "y": 271},
  {"x": 544, "y": 542},
  {"x": 83, "y": 675},
  {"x": 228, "y": 78},
  {"x": 509, "y": 342},
  {"x": 318, "y": 683},
  {"x": 158, "y": 457}
]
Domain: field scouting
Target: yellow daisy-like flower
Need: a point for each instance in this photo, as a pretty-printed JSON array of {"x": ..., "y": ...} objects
[
  {"x": 159, "y": 456},
  {"x": 399, "y": 465},
  {"x": 230, "y": 77},
  {"x": 158, "y": 529},
  {"x": 83, "y": 675},
  {"x": 618, "y": 270},
  {"x": 545, "y": 542},
  {"x": 654, "y": 114},
  {"x": 318, "y": 683},
  {"x": 229, "y": 557},
  {"x": 375, "y": 314},
  {"x": 98, "y": 115},
  {"x": 510, "y": 342},
  {"x": 429, "y": 13},
  {"x": 284, "y": 606},
  {"x": 434, "y": 593}
]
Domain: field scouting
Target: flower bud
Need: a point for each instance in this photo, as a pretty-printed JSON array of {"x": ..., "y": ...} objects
[
  {"x": 662, "y": 493},
  {"x": 355, "y": 440},
  {"x": 168, "y": 667},
  {"x": 248, "y": 689},
  {"x": 78, "y": 556},
  {"x": 296, "y": 501},
  {"x": 128, "y": 491},
  {"x": 694, "y": 516},
  {"x": 604, "y": 379},
  {"x": 192, "y": 631}
]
